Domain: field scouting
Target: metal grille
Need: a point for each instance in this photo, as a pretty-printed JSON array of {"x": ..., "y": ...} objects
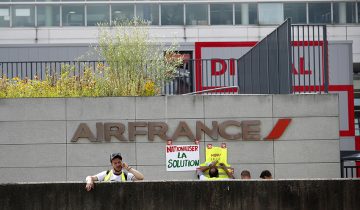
[{"x": 309, "y": 48}]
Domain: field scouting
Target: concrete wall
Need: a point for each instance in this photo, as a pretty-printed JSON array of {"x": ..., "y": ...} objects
[
  {"x": 241, "y": 195},
  {"x": 35, "y": 140}
]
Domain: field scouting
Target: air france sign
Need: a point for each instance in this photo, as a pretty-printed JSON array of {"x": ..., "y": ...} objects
[{"x": 248, "y": 130}]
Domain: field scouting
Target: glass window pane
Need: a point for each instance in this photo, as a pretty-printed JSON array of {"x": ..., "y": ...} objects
[
  {"x": 97, "y": 14},
  {"x": 358, "y": 9},
  {"x": 122, "y": 12},
  {"x": 351, "y": 12},
  {"x": 271, "y": 13},
  {"x": 196, "y": 14},
  {"x": 148, "y": 12},
  {"x": 253, "y": 14},
  {"x": 221, "y": 14},
  {"x": 344, "y": 12},
  {"x": 246, "y": 13},
  {"x": 319, "y": 13},
  {"x": 48, "y": 15},
  {"x": 295, "y": 11},
  {"x": 172, "y": 14},
  {"x": 73, "y": 15},
  {"x": 23, "y": 15},
  {"x": 4, "y": 16}
]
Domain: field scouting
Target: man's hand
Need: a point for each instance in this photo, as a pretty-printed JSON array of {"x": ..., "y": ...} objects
[
  {"x": 89, "y": 186},
  {"x": 126, "y": 166},
  {"x": 213, "y": 164},
  {"x": 223, "y": 166},
  {"x": 89, "y": 183}
]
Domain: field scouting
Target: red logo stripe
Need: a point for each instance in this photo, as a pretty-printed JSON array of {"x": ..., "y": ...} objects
[{"x": 279, "y": 129}]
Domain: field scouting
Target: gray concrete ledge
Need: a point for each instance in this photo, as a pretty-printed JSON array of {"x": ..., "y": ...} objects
[{"x": 314, "y": 194}]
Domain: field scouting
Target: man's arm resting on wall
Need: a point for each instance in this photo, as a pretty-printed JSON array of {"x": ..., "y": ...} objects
[
  {"x": 137, "y": 174},
  {"x": 90, "y": 182}
]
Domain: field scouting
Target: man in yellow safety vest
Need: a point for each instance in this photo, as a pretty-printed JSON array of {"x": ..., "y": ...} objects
[
  {"x": 116, "y": 174},
  {"x": 214, "y": 172}
]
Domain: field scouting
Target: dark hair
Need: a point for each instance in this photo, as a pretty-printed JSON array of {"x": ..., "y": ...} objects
[
  {"x": 213, "y": 172},
  {"x": 115, "y": 155},
  {"x": 264, "y": 174},
  {"x": 245, "y": 173}
]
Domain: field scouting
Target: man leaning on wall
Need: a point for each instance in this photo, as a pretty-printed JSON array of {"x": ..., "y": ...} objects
[
  {"x": 214, "y": 172},
  {"x": 116, "y": 174}
]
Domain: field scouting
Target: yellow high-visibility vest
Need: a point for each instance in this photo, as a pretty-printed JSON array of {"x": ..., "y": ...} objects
[
  {"x": 215, "y": 178},
  {"x": 108, "y": 176}
]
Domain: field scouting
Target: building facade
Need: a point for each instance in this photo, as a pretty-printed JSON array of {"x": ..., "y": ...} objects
[
  {"x": 49, "y": 30},
  {"x": 64, "y": 22}
]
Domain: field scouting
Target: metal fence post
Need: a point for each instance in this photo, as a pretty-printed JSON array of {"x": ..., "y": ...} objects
[{"x": 326, "y": 64}]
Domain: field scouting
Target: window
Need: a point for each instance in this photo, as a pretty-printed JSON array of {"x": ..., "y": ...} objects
[
  {"x": 23, "y": 16},
  {"x": 246, "y": 13},
  {"x": 4, "y": 16},
  {"x": 271, "y": 13},
  {"x": 196, "y": 14},
  {"x": 97, "y": 14},
  {"x": 295, "y": 11},
  {"x": 73, "y": 15},
  {"x": 148, "y": 12},
  {"x": 358, "y": 9},
  {"x": 122, "y": 12},
  {"x": 319, "y": 13},
  {"x": 172, "y": 14},
  {"x": 48, "y": 15},
  {"x": 344, "y": 12},
  {"x": 221, "y": 14}
]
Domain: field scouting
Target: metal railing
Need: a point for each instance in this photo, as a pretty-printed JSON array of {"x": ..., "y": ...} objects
[
  {"x": 350, "y": 171},
  {"x": 291, "y": 59},
  {"x": 309, "y": 49},
  {"x": 220, "y": 90},
  {"x": 348, "y": 164},
  {"x": 38, "y": 70}
]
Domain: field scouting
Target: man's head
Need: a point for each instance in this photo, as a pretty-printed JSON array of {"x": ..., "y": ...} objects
[
  {"x": 265, "y": 174},
  {"x": 116, "y": 161},
  {"x": 213, "y": 172},
  {"x": 245, "y": 174}
]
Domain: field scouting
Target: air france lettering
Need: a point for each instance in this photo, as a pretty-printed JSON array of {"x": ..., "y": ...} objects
[{"x": 248, "y": 130}]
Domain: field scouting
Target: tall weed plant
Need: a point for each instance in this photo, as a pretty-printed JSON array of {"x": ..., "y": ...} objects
[{"x": 137, "y": 65}]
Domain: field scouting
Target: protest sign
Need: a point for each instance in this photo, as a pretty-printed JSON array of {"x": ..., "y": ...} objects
[{"x": 182, "y": 157}]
